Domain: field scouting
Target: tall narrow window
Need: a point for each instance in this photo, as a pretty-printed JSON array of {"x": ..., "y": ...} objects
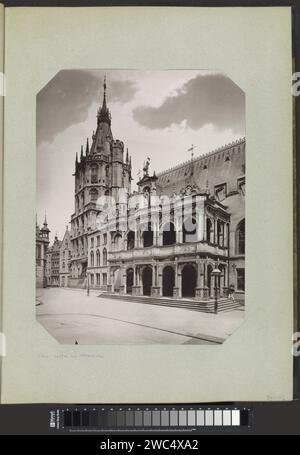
[
  {"x": 240, "y": 237},
  {"x": 98, "y": 258},
  {"x": 104, "y": 256},
  {"x": 209, "y": 230},
  {"x": 92, "y": 258}
]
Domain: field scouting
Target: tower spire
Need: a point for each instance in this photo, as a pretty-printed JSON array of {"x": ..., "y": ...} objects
[
  {"x": 87, "y": 149},
  {"x": 104, "y": 93},
  {"x": 103, "y": 113}
]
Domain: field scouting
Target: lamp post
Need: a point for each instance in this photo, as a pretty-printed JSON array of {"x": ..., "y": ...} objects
[
  {"x": 87, "y": 285},
  {"x": 216, "y": 273}
]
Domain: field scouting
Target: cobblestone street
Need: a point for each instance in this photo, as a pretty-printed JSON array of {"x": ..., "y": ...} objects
[{"x": 71, "y": 316}]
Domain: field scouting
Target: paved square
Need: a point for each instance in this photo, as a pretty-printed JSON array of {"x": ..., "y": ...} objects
[{"x": 71, "y": 316}]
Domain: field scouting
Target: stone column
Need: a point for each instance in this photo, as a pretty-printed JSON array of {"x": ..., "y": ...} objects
[
  {"x": 109, "y": 285},
  {"x": 215, "y": 231},
  {"x": 179, "y": 233},
  {"x": 200, "y": 291},
  {"x": 177, "y": 291},
  {"x": 123, "y": 280},
  {"x": 156, "y": 288},
  {"x": 205, "y": 281},
  {"x": 112, "y": 280},
  {"x": 136, "y": 288}
]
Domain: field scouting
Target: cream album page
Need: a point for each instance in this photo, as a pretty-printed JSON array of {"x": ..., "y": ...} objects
[{"x": 137, "y": 267}]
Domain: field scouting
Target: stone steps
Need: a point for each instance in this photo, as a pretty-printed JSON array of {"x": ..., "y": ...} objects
[{"x": 188, "y": 304}]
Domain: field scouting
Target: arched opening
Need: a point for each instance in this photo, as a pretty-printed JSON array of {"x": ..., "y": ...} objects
[
  {"x": 189, "y": 230},
  {"x": 98, "y": 258},
  {"x": 147, "y": 280},
  {"x": 130, "y": 240},
  {"x": 189, "y": 281},
  {"x": 94, "y": 194},
  {"x": 209, "y": 230},
  {"x": 94, "y": 174},
  {"x": 129, "y": 281},
  {"x": 169, "y": 234},
  {"x": 168, "y": 281},
  {"x": 240, "y": 237},
  {"x": 148, "y": 237},
  {"x": 92, "y": 258}
]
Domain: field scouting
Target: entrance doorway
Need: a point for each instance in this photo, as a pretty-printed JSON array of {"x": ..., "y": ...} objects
[
  {"x": 189, "y": 281},
  {"x": 147, "y": 280},
  {"x": 129, "y": 281},
  {"x": 168, "y": 281}
]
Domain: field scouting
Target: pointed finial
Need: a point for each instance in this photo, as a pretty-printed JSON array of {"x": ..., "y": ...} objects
[
  {"x": 127, "y": 158},
  {"x": 81, "y": 153},
  {"x": 103, "y": 114},
  {"x": 76, "y": 158},
  {"x": 87, "y": 149},
  {"x": 45, "y": 220}
]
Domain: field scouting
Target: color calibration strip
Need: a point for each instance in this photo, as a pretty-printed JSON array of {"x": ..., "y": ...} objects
[{"x": 118, "y": 419}]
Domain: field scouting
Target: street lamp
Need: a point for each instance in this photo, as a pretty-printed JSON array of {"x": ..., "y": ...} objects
[
  {"x": 87, "y": 285},
  {"x": 216, "y": 273}
]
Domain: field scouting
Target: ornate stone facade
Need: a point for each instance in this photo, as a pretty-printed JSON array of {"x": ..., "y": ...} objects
[
  {"x": 166, "y": 238},
  {"x": 41, "y": 243}
]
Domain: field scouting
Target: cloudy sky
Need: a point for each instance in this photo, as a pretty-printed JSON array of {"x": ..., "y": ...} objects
[{"x": 157, "y": 114}]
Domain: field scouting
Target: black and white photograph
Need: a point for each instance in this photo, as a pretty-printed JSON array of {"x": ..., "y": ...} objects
[{"x": 140, "y": 216}]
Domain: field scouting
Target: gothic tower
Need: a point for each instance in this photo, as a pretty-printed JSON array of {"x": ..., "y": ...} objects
[{"x": 102, "y": 170}]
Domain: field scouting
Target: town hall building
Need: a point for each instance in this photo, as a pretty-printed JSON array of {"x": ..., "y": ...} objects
[{"x": 166, "y": 238}]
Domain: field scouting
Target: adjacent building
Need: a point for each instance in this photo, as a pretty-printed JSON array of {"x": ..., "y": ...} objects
[
  {"x": 65, "y": 259},
  {"x": 42, "y": 243},
  {"x": 54, "y": 262}
]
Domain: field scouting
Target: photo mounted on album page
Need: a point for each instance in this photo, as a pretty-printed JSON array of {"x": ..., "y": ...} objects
[{"x": 136, "y": 266}]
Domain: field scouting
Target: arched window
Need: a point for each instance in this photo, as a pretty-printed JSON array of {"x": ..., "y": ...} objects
[
  {"x": 107, "y": 171},
  {"x": 169, "y": 234},
  {"x": 209, "y": 230},
  {"x": 189, "y": 230},
  {"x": 94, "y": 174},
  {"x": 92, "y": 258},
  {"x": 104, "y": 256},
  {"x": 240, "y": 237},
  {"x": 220, "y": 232},
  {"x": 94, "y": 194},
  {"x": 98, "y": 258},
  {"x": 130, "y": 240}
]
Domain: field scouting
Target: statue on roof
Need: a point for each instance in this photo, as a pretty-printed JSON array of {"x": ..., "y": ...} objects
[{"x": 146, "y": 167}]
